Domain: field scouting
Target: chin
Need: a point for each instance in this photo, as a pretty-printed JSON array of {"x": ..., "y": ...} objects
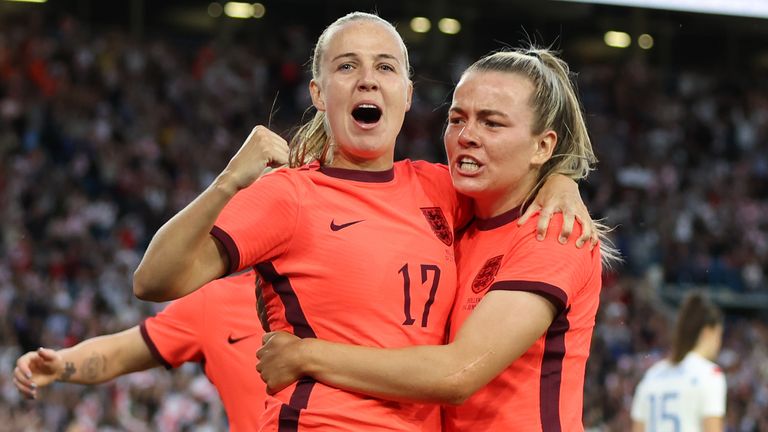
[
  {"x": 370, "y": 153},
  {"x": 468, "y": 187}
]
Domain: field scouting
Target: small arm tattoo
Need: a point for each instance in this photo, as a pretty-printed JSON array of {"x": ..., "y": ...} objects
[
  {"x": 69, "y": 370},
  {"x": 93, "y": 366}
]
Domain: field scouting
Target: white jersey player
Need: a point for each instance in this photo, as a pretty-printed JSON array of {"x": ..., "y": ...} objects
[{"x": 685, "y": 392}]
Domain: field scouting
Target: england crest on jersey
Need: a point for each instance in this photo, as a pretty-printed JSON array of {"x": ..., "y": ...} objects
[
  {"x": 439, "y": 224},
  {"x": 487, "y": 274}
]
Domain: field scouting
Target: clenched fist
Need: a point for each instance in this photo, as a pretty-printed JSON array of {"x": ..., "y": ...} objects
[{"x": 261, "y": 150}]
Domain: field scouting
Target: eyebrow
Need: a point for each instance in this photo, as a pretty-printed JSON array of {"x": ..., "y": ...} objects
[
  {"x": 355, "y": 55},
  {"x": 484, "y": 113}
]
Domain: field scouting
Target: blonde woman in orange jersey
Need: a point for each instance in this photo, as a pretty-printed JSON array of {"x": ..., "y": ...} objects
[
  {"x": 353, "y": 247},
  {"x": 525, "y": 309}
]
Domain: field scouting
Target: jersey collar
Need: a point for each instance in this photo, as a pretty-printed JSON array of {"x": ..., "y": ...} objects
[
  {"x": 359, "y": 175},
  {"x": 499, "y": 220}
]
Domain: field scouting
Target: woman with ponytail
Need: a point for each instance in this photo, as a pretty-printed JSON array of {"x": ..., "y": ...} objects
[
  {"x": 685, "y": 392},
  {"x": 525, "y": 309},
  {"x": 351, "y": 246}
]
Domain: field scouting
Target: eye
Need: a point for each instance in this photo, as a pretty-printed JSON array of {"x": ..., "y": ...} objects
[
  {"x": 387, "y": 67},
  {"x": 493, "y": 124},
  {"x": 455, "y": 120},
  {"x": 345, "y": 66}
]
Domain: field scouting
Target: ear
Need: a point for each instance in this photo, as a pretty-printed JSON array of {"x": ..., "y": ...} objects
[
  {"x": 545, "y": 146},
  {"x": 316, "y": 94},
  {"x": 409, "y": 96}
]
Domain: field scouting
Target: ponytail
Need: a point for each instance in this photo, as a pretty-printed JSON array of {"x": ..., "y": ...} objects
[
  {"x": 311, "y": 142},
  {"x": 696, "y": 313},
  {"x": 556, "y": 106},
  {"x": 575, "y": 157}
]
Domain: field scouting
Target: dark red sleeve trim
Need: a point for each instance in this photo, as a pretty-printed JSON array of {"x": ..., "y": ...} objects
[
  {"x": 151, "y": 345},
  {"x": 230, "y": 246},
  {"x": 552, "y": 293}
]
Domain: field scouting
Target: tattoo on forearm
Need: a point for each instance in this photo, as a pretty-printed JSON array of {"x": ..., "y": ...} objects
[
  {"x": 93, "y": 366},
  {"x": 69, "y": 370}
]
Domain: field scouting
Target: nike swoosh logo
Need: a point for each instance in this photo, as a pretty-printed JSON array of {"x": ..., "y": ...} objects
[
  {"x": 233, "y": 340},
  {"x": 335, "y": 227}
]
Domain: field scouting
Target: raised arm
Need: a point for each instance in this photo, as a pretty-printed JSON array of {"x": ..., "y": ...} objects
[
  {"x": 92, "y": 361},
  {"x": 183, "y": 255},
  {"x": 502, "y": 327}
]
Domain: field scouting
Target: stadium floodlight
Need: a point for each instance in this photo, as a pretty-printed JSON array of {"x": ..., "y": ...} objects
[
  {"x": 421, "y": 24},
  {"x": 238, "y": 10},
  {"x": 259, "y": 10},
  {"x": 28, "y": 1},
  {"x": 645, "y": 41},
  {"x": 215, "y": 10},
  {"x": 747, "y": 8},
  {"x": 449, "y": 26},
  {"x": 617, "y": 39}
]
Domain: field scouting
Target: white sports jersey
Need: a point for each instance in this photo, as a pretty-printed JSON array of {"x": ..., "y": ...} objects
[{"x": 676, "y": 398}]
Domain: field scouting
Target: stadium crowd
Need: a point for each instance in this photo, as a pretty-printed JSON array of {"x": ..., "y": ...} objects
[{"x": 103, "y": 138}]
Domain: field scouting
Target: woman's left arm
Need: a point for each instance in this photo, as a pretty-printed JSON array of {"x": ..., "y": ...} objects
[{"x": 502, "y": 327}]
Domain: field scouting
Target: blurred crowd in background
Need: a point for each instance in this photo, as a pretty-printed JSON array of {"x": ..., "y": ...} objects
[{"x": 103, "y": 138}]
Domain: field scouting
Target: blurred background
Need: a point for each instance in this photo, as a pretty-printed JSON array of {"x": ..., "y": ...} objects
[{"x": 114, "y": 115}]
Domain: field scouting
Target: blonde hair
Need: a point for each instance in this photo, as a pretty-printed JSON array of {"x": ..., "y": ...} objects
[
  {"x": 312, "y": 141},
  {"x": 556, "y": 107}
]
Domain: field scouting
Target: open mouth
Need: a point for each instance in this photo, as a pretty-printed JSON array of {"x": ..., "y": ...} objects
[
  {"x": 468, "y": 164},
  {"x": 366, "y": 113}
]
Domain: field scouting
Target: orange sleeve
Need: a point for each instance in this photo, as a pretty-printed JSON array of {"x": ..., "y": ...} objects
[
  {"x": 436, "y": 181},
  {"x": 548, "y": 268},
  {"x": 174, "y": 336},
  {"x": 259, "y": 222}
]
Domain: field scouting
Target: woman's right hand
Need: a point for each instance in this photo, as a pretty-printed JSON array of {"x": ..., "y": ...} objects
[
  {"x": 261, "y": 150},
  {"x": 279, "y": 360}
]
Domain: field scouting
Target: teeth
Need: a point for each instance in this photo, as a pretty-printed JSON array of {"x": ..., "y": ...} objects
[
  {"x": 467, "y": 164},
  {"x": 367, "y": 106}
]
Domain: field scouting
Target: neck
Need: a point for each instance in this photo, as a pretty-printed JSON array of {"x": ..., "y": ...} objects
[
  {"x": 708, "y": 343},
  {"x": 345, "y": 160},
  {"x": 705, "y": 347},
  {"x": 704, "y": 351},
  {"x": 492, "y": 205}
]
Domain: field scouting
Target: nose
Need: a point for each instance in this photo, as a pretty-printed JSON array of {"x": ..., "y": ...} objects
[
  {"x": 467, "y": 137},
  {"x": 367, "y": 80}
]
